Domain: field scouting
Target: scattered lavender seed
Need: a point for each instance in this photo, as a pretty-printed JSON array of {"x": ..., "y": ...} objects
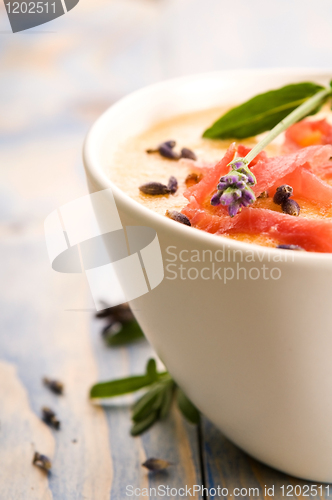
[
  {"x": 172, "y": 184},
  {"x": 178, "y": 217},
  {"x": 166, "y": 149},
  {"x": 290, "y": 207},
  {"x": 54, "y": 385},
  {"x": 168, "y": 152},
  {"x": 170, "y": 144},
  {"x": 187, "y": 153},
  {"x": 167, "y": 144},
  {"x": 291, "y": 247},
  {"x": 49, "y": 418},
  {"x": 282, "y": 194},
  {"x": 264, "y": 194},
  {"x": 42, "y": 461},
  {"x": 154, "y": 188},
  {"x": 156, "y": 464}
]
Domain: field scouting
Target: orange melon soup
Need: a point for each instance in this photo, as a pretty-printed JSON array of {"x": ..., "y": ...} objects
[{"x": 172, "y": 170}]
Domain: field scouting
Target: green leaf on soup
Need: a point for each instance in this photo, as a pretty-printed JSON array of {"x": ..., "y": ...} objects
[{"x": 262, "y": 112}]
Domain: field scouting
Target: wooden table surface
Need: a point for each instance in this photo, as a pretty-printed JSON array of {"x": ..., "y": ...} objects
[{"x": 55, "y": 81}]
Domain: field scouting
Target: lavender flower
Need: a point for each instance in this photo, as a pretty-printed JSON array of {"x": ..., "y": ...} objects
[{"x": 234, "y": 188}]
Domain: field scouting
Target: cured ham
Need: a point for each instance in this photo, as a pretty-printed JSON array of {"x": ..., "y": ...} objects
[
  {"x": 296, "y": 169},
  {"x": 307, "y": 133}
]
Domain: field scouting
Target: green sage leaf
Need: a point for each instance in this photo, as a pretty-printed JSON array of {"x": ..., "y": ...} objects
[
  {"x": 126, "y": 385},
  {"x": 150, "y": 401},
  {"x": 119, "y": 387},
  {"x": 167, "y": 399},
  {"x": 262, "y": 112},
  {"x": 151, "y": 369},
  {"x": 130, "y": 332},
  {"x": 145, "y": 424},
  {"x": 188, "y": 410}
]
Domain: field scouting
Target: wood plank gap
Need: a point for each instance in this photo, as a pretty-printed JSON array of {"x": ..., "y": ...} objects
[{"x": 201, "y": 457}]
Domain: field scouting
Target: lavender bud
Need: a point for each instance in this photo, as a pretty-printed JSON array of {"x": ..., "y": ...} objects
[
  {"x": 215, "y": 200},
  {"x": 290, "y": 207},
  {"x": 222, "y": 185},
  {"x": 234, "y": 209},
  {"x": 251, "y": 179},
  {"x": 178, "y": 217},
  {"x": 156, "y": 464},
  {"x": 282, "y": 194},
  {"x": 232, "y": 178},
  {"x": 245, "y": 203},
  {"x": 50, "y": 418},
  {"x": 248, "y": 195},
  {"x": 154, "y": 188},
  {"x": 42, "y": 461},
  {"x": 230, "y": 196},
  {"x": 238, "y": 163},
  {"x": 167, "y": 152},
  {"x": 169, "y": 144},
  {"x": 54, "y": 385},
  {"x": 240, "y": 185},
  {"x": 187, "y": 153},
  {"x": 172, "y": 184},
  {"x": 163, "y": 148}
]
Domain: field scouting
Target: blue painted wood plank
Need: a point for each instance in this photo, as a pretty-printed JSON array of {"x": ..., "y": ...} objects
[
  {"x": 228, "y": 467},
  {"x": 173, "y": 439}
]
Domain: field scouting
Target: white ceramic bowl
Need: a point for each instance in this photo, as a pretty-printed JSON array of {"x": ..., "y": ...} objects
[{"x": 254, "y": 355}]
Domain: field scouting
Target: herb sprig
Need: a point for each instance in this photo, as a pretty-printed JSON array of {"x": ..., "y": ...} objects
[
  {"x": 234, "y": 189},
  {"x": 122, "y": 327},
  {"x": 263, "y": 112},
  {"x": 155, "y": 403}
]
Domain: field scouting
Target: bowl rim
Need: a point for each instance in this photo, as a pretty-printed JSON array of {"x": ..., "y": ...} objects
[{"x": 94, "y": 169}]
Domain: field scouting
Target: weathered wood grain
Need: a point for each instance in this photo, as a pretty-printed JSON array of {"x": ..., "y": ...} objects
[
  {"x": 172, "y": 439},
  {"x": 228, "y": 467},
  {"x": 94, "y": 454},
  {"x": 53, "y": 85},
  {"x": 22, "y": 433}
]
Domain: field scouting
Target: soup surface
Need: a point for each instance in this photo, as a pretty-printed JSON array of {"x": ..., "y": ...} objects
[{"x": 130, "y": 166}]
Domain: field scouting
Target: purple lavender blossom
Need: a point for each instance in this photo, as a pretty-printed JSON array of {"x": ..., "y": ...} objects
[
  {"x": 234, "y": 188},
  {"x": 230, "y": 196}
]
